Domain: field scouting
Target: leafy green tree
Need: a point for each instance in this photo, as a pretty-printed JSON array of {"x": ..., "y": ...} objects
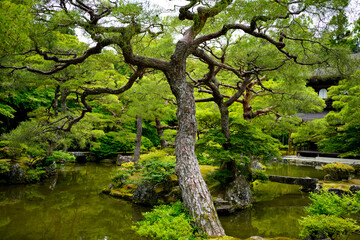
[
  {"x": 282, "y": 25},
  {"x": 344, "y": 125}
]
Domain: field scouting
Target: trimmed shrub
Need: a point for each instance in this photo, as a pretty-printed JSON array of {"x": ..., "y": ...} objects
[
  {"x": 338, "y": 171},
  {"x": 327, "y": 226},
  {"x": 124, "y": 173}
]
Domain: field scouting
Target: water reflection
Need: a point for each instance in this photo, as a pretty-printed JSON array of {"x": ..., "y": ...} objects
[
  {"x": 278, "y": 217},
  {"x": 67, "y": 207}
]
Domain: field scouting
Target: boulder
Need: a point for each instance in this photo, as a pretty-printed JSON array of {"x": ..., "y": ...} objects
[
  {"x": 337, "y": 191},
  {"x": 238, "y": 193},
  {"x": 150, "y": 193},
  {"x": 123, "y": 159},
  {"x": 16, "y": 174},
  {"x": 51, "y": 170},
  {"x": 257, "y": 166},
  {"x": 354, "y": 188},
  {"x": 223, "y": 207}
]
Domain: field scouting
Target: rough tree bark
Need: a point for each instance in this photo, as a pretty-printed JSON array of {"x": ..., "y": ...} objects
[
  {"x": 64, "y": 94},
  {"x": 195, "y": 194},
  {"x": 160, "y": 131},
  {"x": 138, "y": 139}
]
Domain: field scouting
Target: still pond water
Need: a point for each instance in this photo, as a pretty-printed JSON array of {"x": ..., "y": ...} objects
[{"x": 71, "y": 207}]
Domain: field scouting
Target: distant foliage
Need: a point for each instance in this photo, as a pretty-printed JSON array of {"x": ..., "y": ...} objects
[
  {"x": 344, "y": 124},
  {"x": 117, "y": 142},
  {"x": 205, "y": 159},
  {"x": 259, "y": 175},
  {"x": 246, "y": 141},
  {"x": 166, "y": 222},
  {"x": 59, "y": 156}
]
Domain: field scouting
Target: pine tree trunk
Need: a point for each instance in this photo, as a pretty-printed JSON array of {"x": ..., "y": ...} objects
[
  {"x": 64, "y": 94},
  {"x": 195, "y": 194},
  {"x": 138, "y": 138},
  {"x": 228, "y": 164},
  {"x": 160, "y": 132},
  {"x": 56, "y": 100}
]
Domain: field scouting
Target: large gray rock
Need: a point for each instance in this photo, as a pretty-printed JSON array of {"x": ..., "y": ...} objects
[
  {"x": 337, "y": 191},
  {"x": 16, "y": 174},
  {"x": 238, "y": 193},
  {"x": 223, "y": 207},
  {"x": 257, "y": 166},
  {"x": 52, "y": 169},
  {"x": 123, "y": 159},
  {"x": 354, "y": 188},
  {"x": 149, "y": 193}
]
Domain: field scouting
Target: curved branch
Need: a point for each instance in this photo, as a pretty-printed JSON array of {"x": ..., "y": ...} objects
[{"x": 96, "y": 91}]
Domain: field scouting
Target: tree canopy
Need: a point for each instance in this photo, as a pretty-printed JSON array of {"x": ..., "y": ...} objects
[{"x": 231, "y": 51}]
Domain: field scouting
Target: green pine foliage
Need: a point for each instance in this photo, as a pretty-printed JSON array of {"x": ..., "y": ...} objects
[
  {"x": 247, "y": 142},
  {"x": 113, "y": 143},
  {"x": 344, "y": 124},
  {"x": 59, "y": 156}
]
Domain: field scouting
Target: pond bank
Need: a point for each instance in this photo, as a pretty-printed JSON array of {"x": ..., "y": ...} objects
[{"x": 317, "y": 161}]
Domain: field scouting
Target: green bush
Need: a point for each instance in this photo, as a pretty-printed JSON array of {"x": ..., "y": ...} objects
[
  {"x": 4, "y": 166},
  {"x": 328, "y": 219},
  {"x": 58, "y": 157},
  {"x": 222, "y": 176},
  {"x": 166, "y": 222},
  {"x": 338, "y": 171},
  {"x": 113, "y": 143},
  {"x": 259, "y": 175},
  {"x": 331, "y": 204},
  {"x": 327, "y": 226},
  {"x": 124, "y": 173},
  {"x": 158, "y": 167},
  {"x": 34, "y": 175}
]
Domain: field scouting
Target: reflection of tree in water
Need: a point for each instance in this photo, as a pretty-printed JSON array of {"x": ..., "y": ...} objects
[
  {"x": 270, "y": 190},
  {"x": 280, "y": 216},
  {"x": 286, "y": 220},
  {"x": 74, "y": 209}
]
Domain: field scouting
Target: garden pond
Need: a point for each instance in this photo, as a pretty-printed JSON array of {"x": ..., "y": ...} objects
[{"x": 71, "y": 206}]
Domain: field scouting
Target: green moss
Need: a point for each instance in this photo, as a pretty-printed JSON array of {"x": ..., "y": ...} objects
[{"x": 121, "y": 193}]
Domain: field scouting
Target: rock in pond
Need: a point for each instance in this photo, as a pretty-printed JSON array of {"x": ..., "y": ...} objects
[
  {"x": 149, "y": 193},
  {"x": 237, "y": 196},
  {"x": 238, "y": 193},
  {"x": 16, "y": 174},
  {"x": 123, "y": 159}
]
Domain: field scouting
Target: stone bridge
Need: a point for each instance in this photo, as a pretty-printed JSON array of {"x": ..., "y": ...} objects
[{"x": 308, "y": 184}]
